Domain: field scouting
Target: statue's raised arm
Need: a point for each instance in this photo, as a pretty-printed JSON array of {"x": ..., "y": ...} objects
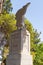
[{"x": 20, "y": 15}]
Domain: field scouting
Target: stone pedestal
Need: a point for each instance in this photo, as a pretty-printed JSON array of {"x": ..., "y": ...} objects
[
  {"x": 19, "y": 48},
  {"x": 26, "y": 58}
]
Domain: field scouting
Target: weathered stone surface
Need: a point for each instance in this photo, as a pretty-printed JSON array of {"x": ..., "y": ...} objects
[
  {"x": 26, "y": 58},
  {"x": 19, "y": 48},
  {"x": 15, "y": 48}
]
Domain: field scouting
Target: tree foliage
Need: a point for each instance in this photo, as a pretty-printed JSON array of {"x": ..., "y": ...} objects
[
  {"x": 7, "y": 23},
  {"x": 38, "y": 58},
  {"x": 7, "y": 6}
]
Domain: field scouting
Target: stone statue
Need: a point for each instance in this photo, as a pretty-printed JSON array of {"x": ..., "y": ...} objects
[{"x": 20, "y": 15}]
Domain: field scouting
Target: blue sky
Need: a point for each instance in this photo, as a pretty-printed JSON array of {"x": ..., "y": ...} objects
[{"x": 34, "y": 12}]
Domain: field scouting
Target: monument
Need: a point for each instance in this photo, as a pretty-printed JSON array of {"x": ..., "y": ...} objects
[{"x": 19, "y": 42}]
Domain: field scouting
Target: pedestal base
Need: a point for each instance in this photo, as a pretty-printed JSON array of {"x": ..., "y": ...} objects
[
  {"x": 19, "y": 59},
  {"x": 26, "y": 60},
  {"x": 19, "y": 48},
  {"x": 13, "y": 59}
]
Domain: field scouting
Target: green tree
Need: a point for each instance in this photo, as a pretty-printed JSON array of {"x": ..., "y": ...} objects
[
  {"x": 38, "y": 60},
  {"x": 36, "y": 37},
  {"x": 7, "y": 23},
  {"x": 7, "y": 26},
  {"x": 7, "y": 6}
]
